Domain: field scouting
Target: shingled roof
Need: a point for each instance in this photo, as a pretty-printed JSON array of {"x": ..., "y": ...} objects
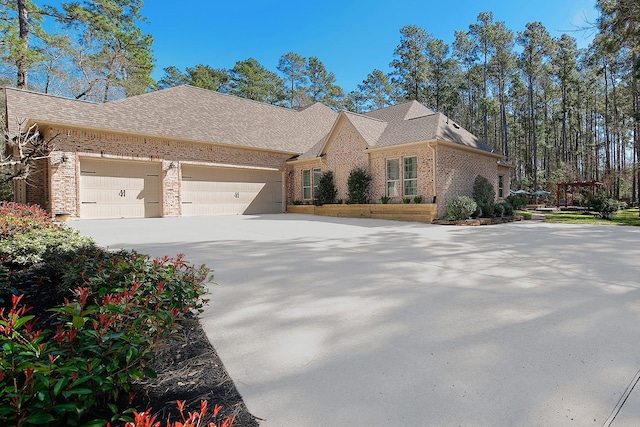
[
  {"x": 402, "y": 124},
  {"x": 184, "y": 113},
  {"x": 194, "y": 114},
  {"x": 405, "y": 111}
]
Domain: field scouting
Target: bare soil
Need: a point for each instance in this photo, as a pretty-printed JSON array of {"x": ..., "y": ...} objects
[{"x": 189, "y": 369}]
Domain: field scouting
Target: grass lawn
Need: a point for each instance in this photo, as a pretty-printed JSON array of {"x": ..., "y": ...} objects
[{"x": 624, "y": 217}]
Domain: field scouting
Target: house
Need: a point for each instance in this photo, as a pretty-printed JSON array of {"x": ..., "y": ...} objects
[
  {"x": 187, "y": 151},
  {"x": 408, "y": 150}
]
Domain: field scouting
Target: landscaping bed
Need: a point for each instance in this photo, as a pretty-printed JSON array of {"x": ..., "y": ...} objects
[{"x": 91, "y": 337}]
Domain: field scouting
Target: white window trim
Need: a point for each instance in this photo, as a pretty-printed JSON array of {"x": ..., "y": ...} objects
[
  {"x": 306, "y": 187},
  {"x": 406, "y": 180},
  {"x": 396, "y": 182}
]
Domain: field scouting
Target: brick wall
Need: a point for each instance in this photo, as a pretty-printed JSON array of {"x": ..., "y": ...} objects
[
  {"x": 75, "y": 143},
  {"x": 456, "y": 171},
  {"x": 378, "y": 168},
  {"x": 344, "y": 152},
  {"x": 294, "y": 178}
]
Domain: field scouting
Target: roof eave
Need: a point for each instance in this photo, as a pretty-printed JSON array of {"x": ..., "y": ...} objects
[
  {"x": 394, "y": 146},
  {"x": 156, "y": 136}
]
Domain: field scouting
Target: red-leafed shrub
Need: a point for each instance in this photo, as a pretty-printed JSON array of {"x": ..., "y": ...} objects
[{"x": 19, "y": 218}]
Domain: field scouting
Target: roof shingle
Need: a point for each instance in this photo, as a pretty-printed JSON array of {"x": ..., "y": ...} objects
[{"x": 186, "y": 113}]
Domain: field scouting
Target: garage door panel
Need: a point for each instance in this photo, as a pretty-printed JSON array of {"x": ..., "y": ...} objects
[
  {"x": 228, "y": 191},
  {"x": 119, "y": 189}
]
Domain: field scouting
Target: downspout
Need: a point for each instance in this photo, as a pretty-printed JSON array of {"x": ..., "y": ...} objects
[{"x": 433, "y": 168}]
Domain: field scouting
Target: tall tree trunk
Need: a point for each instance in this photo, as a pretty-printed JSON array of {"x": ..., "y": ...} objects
[
  {"x": 503, "y": 117},
  {"x": 21, "y": 63},
  {"x": 534, "y": 135},
  {"x": 607, "y": 141}
]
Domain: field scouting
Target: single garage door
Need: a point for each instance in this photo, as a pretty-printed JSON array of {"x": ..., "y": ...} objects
[
  {"x": 119, "y": 189},
  {"x": 230, "y": 191}
]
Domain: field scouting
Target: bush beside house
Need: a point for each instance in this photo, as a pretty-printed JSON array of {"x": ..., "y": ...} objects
[{"x": 358, "y": 186}]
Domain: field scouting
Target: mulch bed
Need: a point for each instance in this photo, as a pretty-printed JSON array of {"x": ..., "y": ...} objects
[{"x": 189, "y": 369}]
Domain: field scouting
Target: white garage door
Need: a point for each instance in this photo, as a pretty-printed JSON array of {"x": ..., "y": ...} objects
[
  {"x": 119, "y": 189},
  {"x": 230, "y": 191}
]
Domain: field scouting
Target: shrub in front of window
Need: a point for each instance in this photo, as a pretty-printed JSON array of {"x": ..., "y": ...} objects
[
  {"x": 417, "y": 199},
  {"x": 498, "y": 210},
  {"x": 326, "y": 192},
  {"x": 460, "y": 208},
  {"x": 358, "y": 186},
  {"x": 384, "y": 200},
  {"x": 484, "y": 195}
]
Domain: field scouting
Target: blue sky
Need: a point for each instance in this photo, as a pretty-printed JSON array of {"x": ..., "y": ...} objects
[{"x": 351, "y": 38}]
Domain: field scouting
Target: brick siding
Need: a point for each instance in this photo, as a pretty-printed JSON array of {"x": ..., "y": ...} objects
[
  {"x": 456, "y": 171},
  {"x": 76, "y": 143}
]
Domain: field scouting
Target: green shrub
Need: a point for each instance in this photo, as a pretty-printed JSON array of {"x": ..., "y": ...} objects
[
  {"x": 484, "y": 195},
  {"x": 460, "y": 208},
  {"x": 118, "y": 307},
  {"x": 417, "y": 199},
  {"x": 498, "y": 210},
  {"x": 508, "y": 208},
  {"x": 605, "y": 207},
  {"x": 33, "y": 246},
  {"x": 406, "y": 200},
  {"x": 103, "y": 272},
  {"x": 121, "y": 305},
  {"x": 517, "y": 201},
  {"x": 326, "y": 192},
  {"x": 99, "y": 347},
  {"x": 297, "y": 202},
  {"x": 384, "y": 200},
  {"x": 6, "y": 191},
  {"x": 358, "y": 186}
]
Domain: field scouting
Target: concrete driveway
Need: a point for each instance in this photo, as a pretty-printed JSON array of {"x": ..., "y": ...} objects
[{"x": 345, "y": 322}]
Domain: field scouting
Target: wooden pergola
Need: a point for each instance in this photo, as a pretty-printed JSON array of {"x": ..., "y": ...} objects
[{"x": 563, "y": 187}]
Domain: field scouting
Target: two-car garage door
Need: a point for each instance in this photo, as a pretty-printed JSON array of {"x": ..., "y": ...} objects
[
  {"x": 129, "y": 189},
  {"x": 229, "y": 191}
]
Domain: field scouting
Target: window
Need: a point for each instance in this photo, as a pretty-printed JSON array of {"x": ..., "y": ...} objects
[
  {"x": 306, "y": 184},
  {"x": 410, "y": 176},
  {"x": 316, "y": 180},
  {"x": 500, "y": 186},
  {"x": 393, "y": 177}
]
